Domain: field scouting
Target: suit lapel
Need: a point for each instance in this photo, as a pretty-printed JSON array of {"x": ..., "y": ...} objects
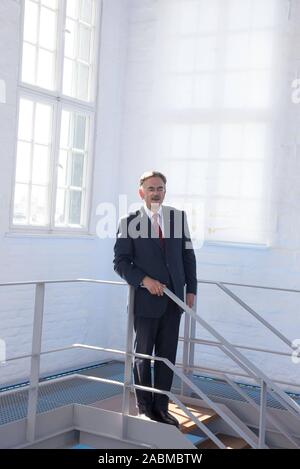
[
  {"x": 147, "y": 227},
  {"x": 168, "y": 228}
]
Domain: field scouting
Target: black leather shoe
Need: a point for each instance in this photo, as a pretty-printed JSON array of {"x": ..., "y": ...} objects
[
  {"x": 146, "y": 411},
  {"x": 163, "y": 416}
]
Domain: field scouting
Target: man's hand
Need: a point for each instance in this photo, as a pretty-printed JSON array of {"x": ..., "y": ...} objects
[
  {"x": 190, "y": 299},
  {"x": 153, "y": 286}
]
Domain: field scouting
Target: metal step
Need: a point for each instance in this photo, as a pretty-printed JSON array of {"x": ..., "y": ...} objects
[
  {"x": 186, "y": 424},
  {"x": 231, "y": 442},
  {"x": 194, "y": 434}
]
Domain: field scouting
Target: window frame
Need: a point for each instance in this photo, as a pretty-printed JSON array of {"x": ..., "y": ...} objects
[
  {"x": 60, "y": 102},
  {"x": 208, "y": 116}
]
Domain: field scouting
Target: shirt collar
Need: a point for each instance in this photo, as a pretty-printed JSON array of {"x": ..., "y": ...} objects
[{"x": 150, "y": 214}]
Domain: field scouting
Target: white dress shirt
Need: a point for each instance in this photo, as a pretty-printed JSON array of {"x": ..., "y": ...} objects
[{"x": 160, "y": 218}]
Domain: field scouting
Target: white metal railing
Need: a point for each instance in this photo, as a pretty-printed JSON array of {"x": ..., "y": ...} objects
[
  {"x": 267, "y": 385},
  {"x": 188, "y": 362}
]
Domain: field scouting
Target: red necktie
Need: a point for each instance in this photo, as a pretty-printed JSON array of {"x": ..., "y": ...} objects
[{"x": 158, "y": 230}]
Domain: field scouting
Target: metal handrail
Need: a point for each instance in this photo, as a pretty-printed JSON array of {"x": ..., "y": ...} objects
[
  {"x": 244, "y": 347},
  {"x": 200, "y": 425},
  {"x": 230, "y": 372},
  {"x": 250, "y": 310},
  {"x": 35, "y": 363},
  {"x": 182, "y": 376},
  {"x": 262, "y": 287},
  {"x": 228, "y": 348},
  {"x": 172, "y": 396},
  {"x": 256, "y": 373},
  {"x": 270, "y": 417}
]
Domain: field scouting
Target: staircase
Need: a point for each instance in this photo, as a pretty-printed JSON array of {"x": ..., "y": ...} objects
[
  {"x": 194, "y": 434},
  {"x": 188, "y": 427},
  {"x": 117, "y": 425}
]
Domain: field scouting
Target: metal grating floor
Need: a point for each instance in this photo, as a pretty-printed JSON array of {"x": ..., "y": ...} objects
[{"x": 13, "y": 406}]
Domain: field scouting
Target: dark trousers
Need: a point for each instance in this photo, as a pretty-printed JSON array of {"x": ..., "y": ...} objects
[{"x": 161, "y": 335}]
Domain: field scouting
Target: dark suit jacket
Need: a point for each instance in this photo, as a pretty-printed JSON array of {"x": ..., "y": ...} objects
[{"x": 138, "y": 253}]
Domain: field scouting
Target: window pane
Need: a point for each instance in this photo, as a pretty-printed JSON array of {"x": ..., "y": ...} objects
[
  {"x": 70, "y": 38},
  {"x": 71, "y": 168},
  {"x": 209, "y": 16},
  {"x": 86, "y": 11},
  {"x": 200, "y": 141},
  {"x": 45, "y": 77},
  {"x": 265, "y": 14},
  {"x": 252, "y": 220},
  {"x": 30, "y": 21},
  {"x": 259, "y": 90},
  {"x": 60, "y": 208},
  {"x": 33, "y": 162},
  {"x": 252, "y": 179},
  {"x": 40, "y": 28},
  {"x": 234, "y": 90},
  {"x": 48, "y": 32},
  {"x": 21, "y": 204},
  {"x": 187, "y": 178},
  {"x": 188, "y": 15},
  {"x": 182, "y": 58},
  {"x": 40, "y": 169},
  {"x": 203, "y": 91},
  {"x": 69, "y": 77},
  {"x": 77, "y": 169},
  {"x": 50, "y": 3},
  {"x": 231, "y": 141},
  {"x": 228, "y": 179},
  {"x": 65, "y": 130},
  {"x": 62, "y": 169},
  {"x": 83, "y": 82},
  {"x": 79, "y": 38},
  {"x": 177, "y": 92},
  {"x": 39, "y": 206},
  {"x": 262, "y": 49},
  {"x": 205, "y": 57},
  {"x": 84, "y": 43},
  {"x": 23, "y": 162},
  {"x": 256, "y": 141},
  {"x": 43, "y": 123},
  {"x": 28, "y": 63},
  {"x": 178, "y": 138},
  {"x": 79, "y": 132},
  {"x": 236, "y": 51},
  {"x": 73, "y": 8},
  {"x": 240, "y": 14},
  {"x": 75, "y": 208},
  {"x": 25, "y": 120}
]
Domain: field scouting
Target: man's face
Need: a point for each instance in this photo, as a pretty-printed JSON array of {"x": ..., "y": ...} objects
[{"x": 153, "y": 192}]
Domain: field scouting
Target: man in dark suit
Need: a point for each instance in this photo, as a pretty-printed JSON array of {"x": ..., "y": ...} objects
[{"x": 153, "y": 250}]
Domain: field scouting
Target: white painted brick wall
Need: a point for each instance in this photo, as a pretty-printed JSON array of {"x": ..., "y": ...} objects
[{"x": 124, "y": 148}]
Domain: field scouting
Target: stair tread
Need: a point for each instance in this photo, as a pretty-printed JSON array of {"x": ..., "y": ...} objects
[
  {"x": 195, "y": 439},
  {"x": 231, "y": 442},
  {"x": 186, "y": 424}
]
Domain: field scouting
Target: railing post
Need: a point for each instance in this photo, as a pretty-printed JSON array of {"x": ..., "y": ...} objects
[
  {"x": 262, "y": 415},
  {"x": 192, "y": 336},
  {"x": 188, "y": 348},
  {"x": 185, "y": 355},
  {"x": 128, "y": 358},
  {"x": 35, "y": 361}
]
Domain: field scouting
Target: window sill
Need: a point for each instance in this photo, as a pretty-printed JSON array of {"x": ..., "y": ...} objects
[
  {"x": 228, "y": 244},
  {"x": 50, "y": 235}
]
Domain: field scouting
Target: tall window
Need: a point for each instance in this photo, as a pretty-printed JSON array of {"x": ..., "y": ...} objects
[
  {"x": 56, "y": 114},
  {"x": 217, "y": 80}
]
